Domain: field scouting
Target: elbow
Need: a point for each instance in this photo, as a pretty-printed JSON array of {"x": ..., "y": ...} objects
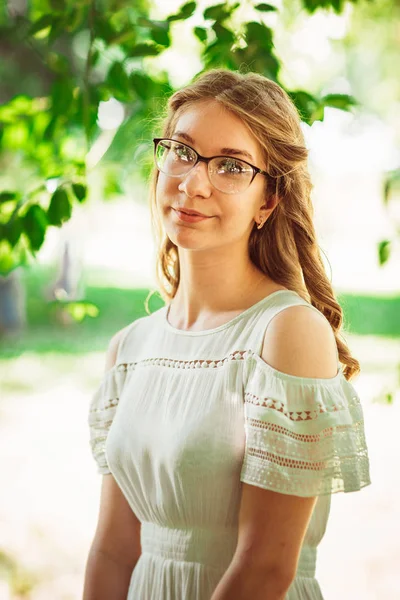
[{"x": 271, "y": 580}]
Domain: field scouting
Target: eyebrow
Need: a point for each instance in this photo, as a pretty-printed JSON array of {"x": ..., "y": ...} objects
[{"x": 224, "y": 151}]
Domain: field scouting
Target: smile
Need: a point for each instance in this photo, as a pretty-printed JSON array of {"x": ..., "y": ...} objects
[{"x": 189, "y": 218}]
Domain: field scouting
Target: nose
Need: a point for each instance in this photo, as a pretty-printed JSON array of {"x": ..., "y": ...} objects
[{"x": 196, "y": 182}]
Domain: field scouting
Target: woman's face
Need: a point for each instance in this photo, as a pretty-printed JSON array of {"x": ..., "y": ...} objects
[{"x": 208, "y": 128}]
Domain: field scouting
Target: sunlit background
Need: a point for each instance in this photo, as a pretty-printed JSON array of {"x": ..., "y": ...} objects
[{"x": 49, "y": 370}]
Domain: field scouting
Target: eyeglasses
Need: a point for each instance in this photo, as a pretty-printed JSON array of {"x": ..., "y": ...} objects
[{"x": 227, "y": 174}]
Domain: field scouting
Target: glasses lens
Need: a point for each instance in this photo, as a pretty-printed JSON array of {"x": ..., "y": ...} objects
[
  {"x": 173, "y": 158},
  {"x": 230, "y": 175}
]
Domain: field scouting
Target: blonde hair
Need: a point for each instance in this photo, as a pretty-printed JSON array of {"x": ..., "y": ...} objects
[{"x": 285, "y": 249}]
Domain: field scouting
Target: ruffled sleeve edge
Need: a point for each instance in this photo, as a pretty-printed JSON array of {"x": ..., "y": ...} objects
[{"x": 304, "y": 436}]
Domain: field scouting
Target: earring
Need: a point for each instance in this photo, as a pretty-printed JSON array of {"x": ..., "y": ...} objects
[{"x": 259, "y": 225}]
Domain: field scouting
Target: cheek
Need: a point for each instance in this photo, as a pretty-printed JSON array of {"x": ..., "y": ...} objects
[{"x": 165, "y": 187}]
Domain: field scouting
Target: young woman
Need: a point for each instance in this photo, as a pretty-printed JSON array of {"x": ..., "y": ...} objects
[{"x": 226, "y": 419}]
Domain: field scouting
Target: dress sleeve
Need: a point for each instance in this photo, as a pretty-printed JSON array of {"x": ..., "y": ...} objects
[
  {"x": 304, "y": 436},
  {"x": 102, "y": 409}
]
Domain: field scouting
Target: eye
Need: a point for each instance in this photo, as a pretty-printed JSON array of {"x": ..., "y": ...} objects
[
  {"x": 232, "y": 166},
  {"x": 182, "y": 152}
]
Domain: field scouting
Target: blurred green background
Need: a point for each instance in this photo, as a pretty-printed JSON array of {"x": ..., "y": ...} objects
[
  {"x": 82, "y": 84},
  {"x": 363, "y": 315}
]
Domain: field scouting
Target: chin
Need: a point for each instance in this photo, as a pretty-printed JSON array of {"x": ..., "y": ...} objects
[{"x": 184, "y": 241}]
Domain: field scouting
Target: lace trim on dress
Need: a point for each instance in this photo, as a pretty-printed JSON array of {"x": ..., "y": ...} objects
[
  {"x": 186, "y": 364},
  {"x": 304, "y": 415},
  {"x": 235, "y": 356}
]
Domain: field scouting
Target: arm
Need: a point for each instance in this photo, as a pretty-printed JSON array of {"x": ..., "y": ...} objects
[
  {"x": 272, "y": 525},
  {"x": 116, "y": 548}
]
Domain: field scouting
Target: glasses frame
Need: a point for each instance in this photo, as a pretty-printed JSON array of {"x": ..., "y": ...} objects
[{"x": 206, "y": 160}]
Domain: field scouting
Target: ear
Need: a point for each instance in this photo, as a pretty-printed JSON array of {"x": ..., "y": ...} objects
[{"x": 266, "y": 209}]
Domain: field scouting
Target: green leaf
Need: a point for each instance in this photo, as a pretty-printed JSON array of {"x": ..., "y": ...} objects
[
  {"x": 306, "y": 104},
  {"x": 162, "y": 25},
  {"x": 60, "y": 209},
  {"x": 13, "y": 230},
  {"x": 49, "y": 131},
  {"x": 341, "y": 101},
  {"x": 94, "y": 57},
  {"x": 80, "y": 191},
  {"x": 311, "y": 5},
  {"x": 118, "y": 81},
  {"x": 187, "y": 9},
  {"x": 260, "y": 34},
  {"x": 219, "y": 12},
  {"x": 161, "y": 37},
  {"x": 337, "y": 5},
  {"x": 35, "y": 223},
  {"x": 145, "y": 49},
  {"x": 224, "y": 35},
  {"x": 7, "y": 196},
  {"x": 318, "y": 113},
  {"x": 391, "y": 183},
  {"x": 185, "y": 12},
  {"x": 384, "y": 248},
  {"x": 43, "y": 23},
  {"x": 141, "y": 84},
  {"x": 103, "y": 29},
  {"x": 200, "y": 33},
  {"x": 265, "y": 7},
  {"x": 62, "y": 95}
]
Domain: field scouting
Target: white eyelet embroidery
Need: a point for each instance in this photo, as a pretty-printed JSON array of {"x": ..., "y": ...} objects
[
  {"x": 306, "y": 415},
  {"x": 186, "y": 364},
  {"x": 296, "y": 436}
]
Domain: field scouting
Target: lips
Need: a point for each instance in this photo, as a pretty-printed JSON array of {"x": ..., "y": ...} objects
[{"x": 190, "y": 212}]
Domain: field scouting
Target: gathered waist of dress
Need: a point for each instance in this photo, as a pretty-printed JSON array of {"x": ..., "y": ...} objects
[{"x": 213, "y": 547}]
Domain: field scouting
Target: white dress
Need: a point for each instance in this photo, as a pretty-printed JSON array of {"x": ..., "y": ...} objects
[{"x": 185, "y": 416}]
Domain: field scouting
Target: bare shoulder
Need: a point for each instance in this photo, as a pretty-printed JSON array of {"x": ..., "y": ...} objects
[
  {"x": 300, "y": 341},
  {"x": 112, "y": 350}
]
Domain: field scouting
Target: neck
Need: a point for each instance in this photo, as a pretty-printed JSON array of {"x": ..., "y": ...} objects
[{"x": 213, "y": 283}]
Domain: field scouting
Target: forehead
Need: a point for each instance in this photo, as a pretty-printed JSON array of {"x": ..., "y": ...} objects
[{"x": 213, "y": 127}]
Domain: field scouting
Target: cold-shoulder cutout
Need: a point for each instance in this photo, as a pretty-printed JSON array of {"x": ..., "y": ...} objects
[
  {"x": 295, "y": 379},
  {"x": 304, "y": 435},
  {"x": 301, "y": 342}
]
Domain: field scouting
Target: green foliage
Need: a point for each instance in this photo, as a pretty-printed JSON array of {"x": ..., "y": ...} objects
[
  {"x": 265, "y": 7},
  {"x": 312, "y": 5},
  {"x": 384, "y": 251},
  {"x": 59, "y": 209},
  {"x": 86, "y": 52}
]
